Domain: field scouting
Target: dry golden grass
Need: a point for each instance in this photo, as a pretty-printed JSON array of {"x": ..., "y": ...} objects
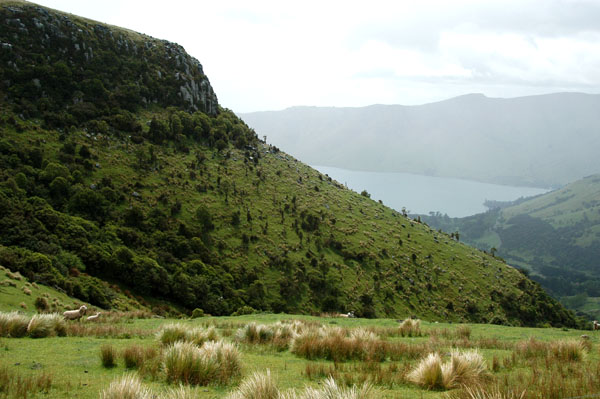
[
  {"x": 257, "y": 386},
  {"x": 463, "y": 368},
  {"x": 47, "y": 325},
  {"x": 13, "y": 324},
  {"x": 128, "y": 386},
  {"x": 410, "y": 328},
  {"x": 215, "y": 363},
  {"x": 428, "y": 373}
]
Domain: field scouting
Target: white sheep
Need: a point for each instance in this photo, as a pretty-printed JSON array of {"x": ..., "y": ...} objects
[
  {"x": 75, "y": 314},
  {"x": 93, "y": 317}
]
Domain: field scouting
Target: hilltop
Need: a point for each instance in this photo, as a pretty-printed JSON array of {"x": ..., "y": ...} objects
[
  {"x": 555, "y": 236},
  {"x": 537, "y": 141},
  {"x": 121, "y": 174}
]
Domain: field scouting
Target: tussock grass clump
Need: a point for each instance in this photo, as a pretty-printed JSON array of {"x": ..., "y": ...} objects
[
  {"x": 15, "y": 276},
  {"x": 108, "y": 356},
  {"x": 181, "y": 392},
  {"x": 331, "y": 390},
  {"x": 254, "y": 333},
  {"x": 214, "y": 363},
  {"x": 16, "y": 385},
  {"x": 332, "y": 346},
  {"x": 8, "y": 283},
  {"x": 279, "y": 334},
  {"x": 127, "y": 387},
  {"x": 46, "y": 325},
  {"x": 428, "y": 373},
  {"x": 463, "y": 368},
  {"x": 13, "y": 324},
  {"x": 390, "y": 375},
  {"x": 257, "y": 386},
  {"x": 483, "y": 393},
  {"x": 410, "y": 328},
  {"x": 531, "y": 349},
  {"x": 263, "y": 386},
  {"x": 568, "y": 350},
  {"x": 342, "y": 345},
  {"x": 463, "y": 332},
  {"x": 133, "y": 356},
  {"x": 363, "y": 334},
  {"x": 173, "y": 332}
]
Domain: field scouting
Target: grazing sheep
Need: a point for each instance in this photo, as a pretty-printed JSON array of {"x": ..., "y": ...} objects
[
  {"x": 75, "y": 314},
  {"x": 93, "y": 317},
  {"x": 596, "y": 325}
]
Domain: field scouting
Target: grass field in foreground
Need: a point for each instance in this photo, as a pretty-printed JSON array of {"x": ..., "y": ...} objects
[{"x": 515, "y": 358}]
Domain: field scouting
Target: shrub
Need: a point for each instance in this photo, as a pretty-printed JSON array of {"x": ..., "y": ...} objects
[
  {"x": 197, "y": 313},
  {"x": 108, "y": 356},
  {"x": 127, "y": 387},
  {"x": 13, "y": 324},
  {"x": 46, "y": 325},
  {"x": 41, "y": 304},
  {"x": 26, "y": 290},
  {"x": 243, "y": 310},
  {"x": 257, "y": 386}
]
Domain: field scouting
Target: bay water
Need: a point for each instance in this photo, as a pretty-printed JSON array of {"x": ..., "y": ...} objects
[{"x": 424, "y": 194}]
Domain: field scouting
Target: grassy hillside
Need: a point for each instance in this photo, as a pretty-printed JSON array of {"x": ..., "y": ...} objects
[
  {"x": 154, "y": 195},
  {"x": 555, "y": 236}
]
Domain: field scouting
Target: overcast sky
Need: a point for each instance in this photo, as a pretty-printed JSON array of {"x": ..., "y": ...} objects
[{"x": 270, "y": 55}]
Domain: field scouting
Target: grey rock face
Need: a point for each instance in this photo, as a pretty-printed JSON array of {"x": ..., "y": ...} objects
[{"x": 78, "y": 42}]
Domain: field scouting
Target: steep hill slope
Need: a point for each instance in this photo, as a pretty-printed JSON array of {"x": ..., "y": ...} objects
[
  {"x": 543, "y": 141},
  {"x": 178, "y": 199},
  {"x": 556, "y": 236}
]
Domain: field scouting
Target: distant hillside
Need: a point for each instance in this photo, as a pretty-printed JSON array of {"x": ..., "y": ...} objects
[
  {"x": 120, "y": 182},
  {"x": 542, "y": 141},
  {"x": 556, "y": 236}
]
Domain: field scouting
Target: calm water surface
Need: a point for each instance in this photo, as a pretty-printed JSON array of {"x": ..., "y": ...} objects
[{"x": 424, "y": 194}]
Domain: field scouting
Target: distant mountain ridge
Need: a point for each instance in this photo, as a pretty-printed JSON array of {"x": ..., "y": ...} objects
[{"x": 541, "y": 141}]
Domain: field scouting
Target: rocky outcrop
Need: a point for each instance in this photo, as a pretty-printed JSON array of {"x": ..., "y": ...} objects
[{"x": 128, "y": 64}]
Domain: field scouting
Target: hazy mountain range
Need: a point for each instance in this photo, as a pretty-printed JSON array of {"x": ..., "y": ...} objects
[{"x": 546, "y": 141}]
